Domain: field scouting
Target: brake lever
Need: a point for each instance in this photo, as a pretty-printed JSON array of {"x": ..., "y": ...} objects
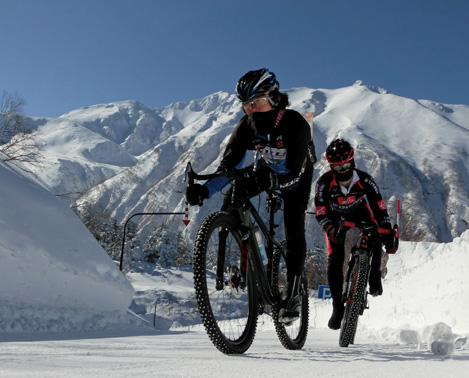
[{"x": 188, "y": 174}]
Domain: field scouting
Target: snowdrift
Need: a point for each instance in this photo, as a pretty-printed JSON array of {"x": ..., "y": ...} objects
[
  {"x": 54, "y": 276},
  {"x": 427, "y": 283}
]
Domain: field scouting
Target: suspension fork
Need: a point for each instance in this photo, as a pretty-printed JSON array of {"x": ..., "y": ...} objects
[
  {"x": 246, "y": 235},
  {"x": 222, "y": 236},
  {"x": 269, "y": 244},
  {"x": 360, "y": 247}
]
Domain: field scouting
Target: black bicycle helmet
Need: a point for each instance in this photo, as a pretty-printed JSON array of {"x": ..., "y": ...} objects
[
  {"x": 255, "y": 84},
  {"x": 339, "y": 152}
]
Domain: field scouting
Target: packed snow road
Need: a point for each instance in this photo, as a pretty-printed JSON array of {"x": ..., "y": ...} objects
[{"x": 191, "y": 354}]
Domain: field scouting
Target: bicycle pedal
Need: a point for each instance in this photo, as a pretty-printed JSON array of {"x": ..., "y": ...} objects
[
  {"x": 288, "y": 321},
  {"x": 365, "y": 306}
]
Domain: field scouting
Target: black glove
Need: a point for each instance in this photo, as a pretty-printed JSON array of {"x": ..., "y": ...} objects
[
  {"x": 265, "y": 179},
  {"x": 195, "y": 194},
  {"x": 386, "y": 239},
  {"x": 332, "y": 234},
  {"x": 390, "y": 241}
]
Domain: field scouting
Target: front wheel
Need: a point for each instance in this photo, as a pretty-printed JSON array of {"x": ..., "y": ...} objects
[
  {"x": 224, "y": 285},
  {"x": 294, "y": 335},
  {"x": 354, "y": 301}
]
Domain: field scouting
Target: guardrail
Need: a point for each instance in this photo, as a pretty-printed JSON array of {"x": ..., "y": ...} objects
[{"x": 141, "y": 214}]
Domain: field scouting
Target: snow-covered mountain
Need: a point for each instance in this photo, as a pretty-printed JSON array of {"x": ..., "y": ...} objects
[
  {"x": 131, "y": 158},
  {"x": 62, "y": 294}
]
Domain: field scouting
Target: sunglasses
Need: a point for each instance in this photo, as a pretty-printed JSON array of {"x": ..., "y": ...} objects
[
  {"x": 256, "y": 103},
  {"x": 341, "y": 167}
]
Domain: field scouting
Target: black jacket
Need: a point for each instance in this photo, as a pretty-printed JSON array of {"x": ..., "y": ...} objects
[
  {"x": 286, "y": 148},
  {"x": 363, "y": 202}
]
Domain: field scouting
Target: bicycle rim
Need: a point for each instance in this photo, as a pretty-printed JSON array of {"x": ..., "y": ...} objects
[
  {"x": 354, "y": 301},
  {"x": 292, "y": 336},
  {"x": 228, "y": 307}
]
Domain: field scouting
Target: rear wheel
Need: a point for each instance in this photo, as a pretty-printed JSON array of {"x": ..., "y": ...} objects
[
  {"x": 354, "y": 301},
  {"x": 294, "y": 335},
  {"x": 225, "y": 288}
]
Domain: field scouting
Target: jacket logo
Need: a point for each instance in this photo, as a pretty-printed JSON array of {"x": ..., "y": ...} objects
[
  {"x": 321, "y": 210},
  {"x": 346, "y": 201}
]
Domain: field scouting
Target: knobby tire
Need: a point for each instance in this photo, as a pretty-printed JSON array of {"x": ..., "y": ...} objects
[
  {"x": 292, "y": 336},
  {"x": 228, "y": 310},
  {"x": 355, "y": 298}
]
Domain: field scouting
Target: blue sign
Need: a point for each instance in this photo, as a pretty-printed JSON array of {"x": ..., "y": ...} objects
[{"x": 324, "y": 292}]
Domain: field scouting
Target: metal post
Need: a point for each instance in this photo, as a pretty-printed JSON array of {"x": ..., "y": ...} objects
[{"x": 125, "y": 227}]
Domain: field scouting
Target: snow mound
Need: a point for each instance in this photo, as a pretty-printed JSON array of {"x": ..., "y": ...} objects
[
  {"x": 54, "y": 275},
  {"x": 426, "y": 284}
]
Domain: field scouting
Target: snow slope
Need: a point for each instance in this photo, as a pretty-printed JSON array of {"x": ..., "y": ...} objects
[{"x": 54, "y": 275}]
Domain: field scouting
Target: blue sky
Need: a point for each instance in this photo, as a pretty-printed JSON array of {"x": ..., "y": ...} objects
[{"x": 60, "y": 55}]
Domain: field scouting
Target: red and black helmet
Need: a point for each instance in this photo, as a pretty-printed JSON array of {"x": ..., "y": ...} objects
[
  {"x": 339, "y": 152},
  {"x": 255, "y": 84}
]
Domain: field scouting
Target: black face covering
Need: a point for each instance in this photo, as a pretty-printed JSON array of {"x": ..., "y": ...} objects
[
  {"x": 262, "y": 122},
  {"x": 344, "y": 176}
]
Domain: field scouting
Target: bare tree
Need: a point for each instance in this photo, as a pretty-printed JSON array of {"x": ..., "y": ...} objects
[{"x": 17, "y": 141}]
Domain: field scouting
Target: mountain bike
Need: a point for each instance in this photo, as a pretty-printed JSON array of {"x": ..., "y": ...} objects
[
  {"x": 240, "y": 271},
  {"x": 355, "y": 295}
]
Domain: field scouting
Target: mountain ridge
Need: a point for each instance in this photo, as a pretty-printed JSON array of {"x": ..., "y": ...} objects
[{"x": 415, "y": 149}]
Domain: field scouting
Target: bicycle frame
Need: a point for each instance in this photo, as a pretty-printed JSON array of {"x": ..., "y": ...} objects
[
  {"x": 355, "y": 295},
  {"x": 362, "y": 239},
  {"x": 249, "y": 212},
  {"x": 360, "y": 247},
  {"x": 272, "y": 246}
]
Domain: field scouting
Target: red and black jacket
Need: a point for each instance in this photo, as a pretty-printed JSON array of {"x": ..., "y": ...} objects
[{"x": 363, "y": 202}]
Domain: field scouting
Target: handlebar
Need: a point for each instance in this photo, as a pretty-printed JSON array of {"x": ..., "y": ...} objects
[
  {"x": 366, "y": 226},
  {"x": 191, "y": 175},
  {"x": 344, "y": 225}
]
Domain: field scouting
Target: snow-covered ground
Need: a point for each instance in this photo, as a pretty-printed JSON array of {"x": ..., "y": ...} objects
[
  {"x": 191, "y": 354},
  {"x": 64, "y": 310}
]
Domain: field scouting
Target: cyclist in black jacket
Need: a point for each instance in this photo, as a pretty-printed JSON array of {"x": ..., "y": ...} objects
[
  {"x": 281, "y": 140},
  {"x": 346, "y": 192}
]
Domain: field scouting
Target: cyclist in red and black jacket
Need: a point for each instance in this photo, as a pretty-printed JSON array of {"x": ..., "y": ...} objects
[
  {"x": 348, "y": 193},
  {"x": 281, "y": 139}
]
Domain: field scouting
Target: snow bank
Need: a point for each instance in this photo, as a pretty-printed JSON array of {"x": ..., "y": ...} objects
[
  {"x": 426, "y": 283},
  {"x": 54, "y": 276},
  {"x": 426, "y": 299}
]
